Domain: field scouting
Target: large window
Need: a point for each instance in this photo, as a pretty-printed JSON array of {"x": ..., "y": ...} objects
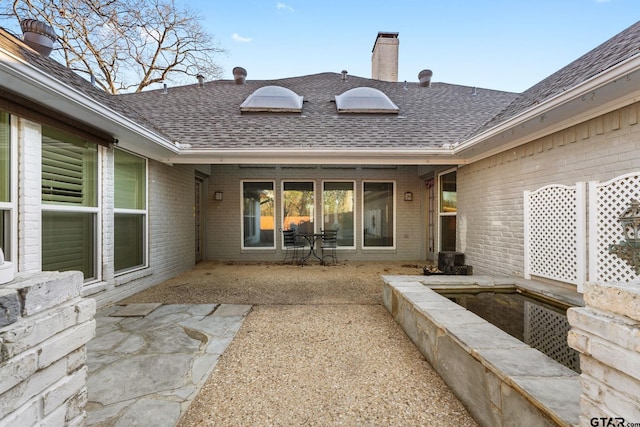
[
  {"x": 69, "y": 203},
  {"x": 5, "y": 184},
  {"x": 338, "y": 211},
  {"x": 378, "y": 214},
  {"x": 130, "y": 213},
  {"x": 448, "y": 211},
  {"x": 258, "y": 215},
  {"x": 297, "y": 210}
]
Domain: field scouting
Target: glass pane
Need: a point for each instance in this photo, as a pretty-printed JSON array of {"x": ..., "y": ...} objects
[
  {"x": 130, "y": 181},
  {"x": 5, "y": 159},
  {"x": 448, "y": 195},
  {"x": 68, "y": 242},
  {"x": 258, "y": 214},
  {"x": 69, "y": 169},
  {"x": 448, "y": 233},
  {"x": 337, "y": 202},
  {"x": 298, "y": 207},
  {"x": 4, "y": 234},
  {"x": 378, "y": 214},
  {"x": 128, "y": 242}
]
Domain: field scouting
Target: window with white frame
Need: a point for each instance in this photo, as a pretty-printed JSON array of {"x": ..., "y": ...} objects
[
  {"x": 338, "y": 201},
  {"x": 6, "y": 184},
  {"x": 298, "y": 201},
  {"x": 130, "y": 212},
  {"x": 378, "y": 211},
  {"x": 448, "y": 210},
  {"x": 258, "y": 214},
  {"x": 69, "y": 203}
]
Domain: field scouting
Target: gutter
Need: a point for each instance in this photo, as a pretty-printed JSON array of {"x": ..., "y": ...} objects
[{"x": 589, "y": 100}]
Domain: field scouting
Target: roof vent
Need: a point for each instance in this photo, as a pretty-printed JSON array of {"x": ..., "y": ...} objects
[
  {"x": 239, "y": 75},
  {"x": 200, "y": 78},
  {"x": 425, "y": 78},
  {"x": 344, "y": 75},
  {"x": 38, "y": 36}
]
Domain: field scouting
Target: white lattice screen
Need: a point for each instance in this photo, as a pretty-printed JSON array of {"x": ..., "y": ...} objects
[
  {"x": 606, "y": 202},
  {"x": 555, "y": 233}
]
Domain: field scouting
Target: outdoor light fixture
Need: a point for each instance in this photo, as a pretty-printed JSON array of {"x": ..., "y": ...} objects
[
  {"x": 218, "y": 196},
  {"x": 408, "y": 196},
  {"x": 629, "y": 248}
]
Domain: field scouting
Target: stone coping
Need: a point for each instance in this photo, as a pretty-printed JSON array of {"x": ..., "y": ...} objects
[{"x": 473, "y": 355}]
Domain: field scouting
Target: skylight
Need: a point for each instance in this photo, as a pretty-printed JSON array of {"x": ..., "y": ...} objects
[
  {"x": 274, "y": 99},
  {"x": 365, "y": 100}
]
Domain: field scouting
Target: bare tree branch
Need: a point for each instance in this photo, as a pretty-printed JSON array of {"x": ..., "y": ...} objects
[{"x": 125, "y": 45}]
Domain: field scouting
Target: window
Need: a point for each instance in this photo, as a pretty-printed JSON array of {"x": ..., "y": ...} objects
[
  {"x": 69, "y": 203},
  {"x": 448, "y": 211},
  {"x": 298, "y": 202},
  {"x": 6, "y": 184},
  {"x": 130, "y": 211},
  {"x": 365, "y": 100},
  {"x": 273, "y": 99},
  {"x": 338, "y": 211},
  {"x": 258, "y": 215},
  {"x": 378, "y": 214}
]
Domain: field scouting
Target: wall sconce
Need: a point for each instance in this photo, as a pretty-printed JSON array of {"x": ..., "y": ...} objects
[
  {"x": 629, "y": 248},
  {"x": 408, "y": 196},
  {"x": 218, "y": 196}
]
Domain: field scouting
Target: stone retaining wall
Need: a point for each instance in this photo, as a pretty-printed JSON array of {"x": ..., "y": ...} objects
[
  {"x": 607, "y": 334},
  {"x": 44, "y": 327},
  {"x": 500, "y": 380}
]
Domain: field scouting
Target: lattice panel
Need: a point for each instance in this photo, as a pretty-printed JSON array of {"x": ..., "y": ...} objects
[
  {"x": 553, "y": 234},
  {"x": 546, "y": 330},
  {"x": 610, "y": 199}
]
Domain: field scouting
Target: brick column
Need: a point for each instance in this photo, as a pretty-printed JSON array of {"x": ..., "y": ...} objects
[{"x": 606, "y": 332}]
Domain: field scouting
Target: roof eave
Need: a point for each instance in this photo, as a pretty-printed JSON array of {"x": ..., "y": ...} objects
[
  {"x": 609, "y": 90},
  {"x": 33, "y": 83}
]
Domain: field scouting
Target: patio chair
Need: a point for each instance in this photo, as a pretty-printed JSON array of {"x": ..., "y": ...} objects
[
  {"x": 329, "y": 244},
  {"x": 294, "y": 248}
]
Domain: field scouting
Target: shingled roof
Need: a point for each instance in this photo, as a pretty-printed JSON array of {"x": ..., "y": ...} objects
[
  {"x": 209, "y": 117},
  {"x": 617, "y": 49}
]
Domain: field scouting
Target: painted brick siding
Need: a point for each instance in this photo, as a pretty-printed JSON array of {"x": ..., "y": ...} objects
[
  {"x": 490, "y": 191},
  {"x": 224, "y": 235},
  {"x": 171, "y": 232}
]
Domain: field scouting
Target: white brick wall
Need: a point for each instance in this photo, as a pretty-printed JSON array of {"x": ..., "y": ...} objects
[
  {"x": 490, "y": 192},
  {"x": 29, "y": 196},
  {"x": 224, "y": 235}
]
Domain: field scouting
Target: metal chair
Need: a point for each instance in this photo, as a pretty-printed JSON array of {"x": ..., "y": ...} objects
[
  {"x": 292, "y": 245},
  {"x": 329, "y": 244}
]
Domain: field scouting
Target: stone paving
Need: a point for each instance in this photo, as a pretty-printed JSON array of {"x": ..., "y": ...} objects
[{"x": 148, "y": 361}]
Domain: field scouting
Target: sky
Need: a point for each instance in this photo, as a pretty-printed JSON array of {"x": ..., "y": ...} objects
[{"x": 497, "y": 44}]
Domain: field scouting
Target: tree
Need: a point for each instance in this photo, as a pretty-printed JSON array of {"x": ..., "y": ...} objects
[{"x": 125, "y": 45}]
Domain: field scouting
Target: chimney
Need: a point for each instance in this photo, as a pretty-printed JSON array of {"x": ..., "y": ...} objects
[
  {"x": 239, "y": 75},
  {"x": 38, "y": 36},
  {"x": 384, "y": 60},
  {"x": 200, "y": 78},
  {"x": 424, "y": 77}
]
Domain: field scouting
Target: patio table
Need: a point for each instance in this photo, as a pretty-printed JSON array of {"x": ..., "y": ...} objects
[{"x": 311, "y": 239}]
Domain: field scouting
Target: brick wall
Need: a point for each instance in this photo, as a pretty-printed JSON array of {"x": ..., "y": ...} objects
[
  {"x": 44, "y": 327},
  {"x": 224, "y": 235},
  {"x": 490, "y": 191}
]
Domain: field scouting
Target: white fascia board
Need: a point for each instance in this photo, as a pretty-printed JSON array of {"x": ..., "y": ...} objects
[
  {"x": 610, "y": 90},
  {"x": 32, "y": 83},
  {"x": 432, "y": 156}
]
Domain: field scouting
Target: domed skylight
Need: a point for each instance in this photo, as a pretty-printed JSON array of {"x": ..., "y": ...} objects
[
  {"x": 273, "y": 98},
  {"x": 365, "y": 100}
]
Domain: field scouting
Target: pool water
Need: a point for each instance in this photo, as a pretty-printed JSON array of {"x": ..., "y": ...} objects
[{"x": 541, "y": 324}]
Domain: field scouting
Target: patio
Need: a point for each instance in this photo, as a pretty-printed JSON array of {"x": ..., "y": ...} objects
[{"x": 317, "y": 348}]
